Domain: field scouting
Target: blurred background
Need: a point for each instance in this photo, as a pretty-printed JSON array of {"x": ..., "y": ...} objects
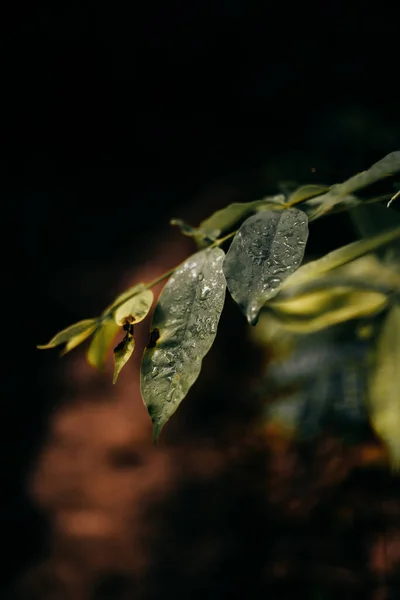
[{"x": 118, "y": 117}]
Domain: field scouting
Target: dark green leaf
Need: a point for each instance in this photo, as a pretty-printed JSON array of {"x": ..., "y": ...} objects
[
  {"x": 72, "y": 336},
  {"x": 185, "y": 319},
  {"x": 268, "y": 247},
  {"x": 223, "y": 220},
  {"x": 384, "y": 388}
]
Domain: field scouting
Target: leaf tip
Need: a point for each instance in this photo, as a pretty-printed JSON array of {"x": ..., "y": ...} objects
[{"x": 252, "y": 314}]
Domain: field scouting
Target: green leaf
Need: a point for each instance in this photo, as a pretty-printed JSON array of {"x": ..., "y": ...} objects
[
  {"x": 384, "y": 387},
  {"x": 72, "y": 336},
  {"x": 127, "y": 295},
  {"x": 319, "y": 309},
  {"x": 184, "y": 327},
  {"x": 123, "y": 352},
  {"x": 190, "y": 231},
  {"x": 101, "y": 342},
  {"x": 135, "y": 309},
  {"x": 339, "y": 257},
  {"x": 223, "y": 220},
  {"x": 389, "y": 165},
  {"x": 267, "y": 248},
  {"x": 305, "y": 192}
]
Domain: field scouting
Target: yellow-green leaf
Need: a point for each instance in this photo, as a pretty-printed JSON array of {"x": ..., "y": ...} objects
[
  {"x": 101, "y": 342},
  {"x": 135, "y": 309},
  {"x": 316, "y": 310},
  {"x": 305, "y": 192},
  {"x": 72, "y": 336},
  {"x": 339, "y": 257},
  {"x": 384, "y": 386},
  {"x": 389, "y": 165},
  {"x": 187, "y": 229},
  {"x": 122, "y": 354},
  {"x": 126, "y": 295}
]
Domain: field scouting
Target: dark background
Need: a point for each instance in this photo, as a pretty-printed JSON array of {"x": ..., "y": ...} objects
[{"x": 117, "y": 116}]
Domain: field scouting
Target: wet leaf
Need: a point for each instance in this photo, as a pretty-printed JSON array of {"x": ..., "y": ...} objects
[
  {"x": 389, "y": 165},
  {"x": 135, "y": 309},
  {"x": 268, "y": 247},
  {"x": 185, "y": 320},
  {"x": 223, "y": 220},
  {"x": 338, "y": 258},
  {"x": 101, "y": 342},
  {"x": 316, "y": 310},
  {"x": 72, "y": 336},
  {"x": 384, "y": 387},
  {"x": 122, "y": 353}
]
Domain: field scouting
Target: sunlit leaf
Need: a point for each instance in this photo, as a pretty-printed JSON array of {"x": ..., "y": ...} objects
[
  {"x": 268, "y": 247},
  {"x": 135, "y": 309},
  {"x": 317, "y": 310},
  {"x": 184, "y": 327},
  {"x": 101, "y": 342},
  {"x": 72, "y": 336},
  {"x": 389, "y": 165},
  {"x": 223, "y": 220},
  {"x": 126, "y": 295},
  {"x": 305, "y": 192},
  {"x": 122, "y": 353},
  {"x": 384, "y": 388},
  {"x": 339, "y": 257}
]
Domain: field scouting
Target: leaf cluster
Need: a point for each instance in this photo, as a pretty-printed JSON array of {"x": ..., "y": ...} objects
[{"x": 257, "y": 251}]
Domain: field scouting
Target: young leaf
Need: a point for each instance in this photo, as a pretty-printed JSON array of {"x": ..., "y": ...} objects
[
  {"x": 389, "y": 165},
  {"x": 185, "y": 321},
  {"x": 101, "y": 342},
  {"x": 123, "y": 352},
  {"x": 72, "y": 336},
  {"x": 384, "y": 388},
  {"x": 227, "y": 217},
  {"x": 126, "y": 295},
  {"x": 339, "y": 257},
  {"x": 268, "y": 247},
  {"x": 319, "y": 309},
  {"x": 135, "y": 309}
]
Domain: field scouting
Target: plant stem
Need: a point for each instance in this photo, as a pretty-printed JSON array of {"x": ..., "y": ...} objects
[{"x": 167, "y": 274}]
